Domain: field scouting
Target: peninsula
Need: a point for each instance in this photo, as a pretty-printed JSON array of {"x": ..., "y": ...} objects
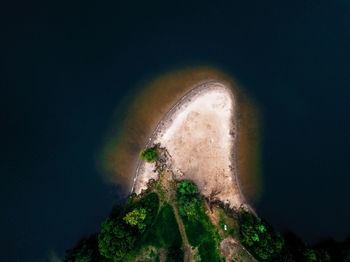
[
  {"x": 200, "y": 134},
  {"x": 186, "y": 202}
]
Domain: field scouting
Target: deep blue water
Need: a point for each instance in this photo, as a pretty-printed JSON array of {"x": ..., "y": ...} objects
[{"x": 65, "y": 67}]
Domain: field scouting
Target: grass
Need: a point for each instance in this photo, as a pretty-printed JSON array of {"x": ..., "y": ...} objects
[
  {"x": 149, "y": 202},
  {"x": 232, "y": 227},
  {"x": 200, "y": 233},
  {"x": 163, "y": 233},
  {"x": 160, "y": 190}
]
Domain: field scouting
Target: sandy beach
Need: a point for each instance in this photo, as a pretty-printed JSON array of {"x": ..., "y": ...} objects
[{"x": 200, "y": 133}]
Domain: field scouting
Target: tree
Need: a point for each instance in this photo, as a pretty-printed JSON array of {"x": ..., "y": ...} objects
[
  {"x": 136, "y": 218},
  {"x": 258, "y": 237},
  {"x": 303, "y": 252},
  {"x": 150, "y": 154},
  {"x": 186, "y": 188},
  {"x": 115, "y": 239},
  {"x": 310, "y": 255},
  {"x": 188, "y": 199},
  {"x": 86, "y": 250},
  {"x": 188, "y": 206},
  {"x": 81, "y": 253},
  {"x": 119, "y": 233}
]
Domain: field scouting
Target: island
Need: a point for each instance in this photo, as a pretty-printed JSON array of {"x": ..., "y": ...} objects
[{"x": 186, "y": 202}]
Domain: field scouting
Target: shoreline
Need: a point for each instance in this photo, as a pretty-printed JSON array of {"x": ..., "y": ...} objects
[{"x": 234, "y": 129}]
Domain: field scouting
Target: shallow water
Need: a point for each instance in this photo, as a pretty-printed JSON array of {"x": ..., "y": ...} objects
[
  {"x": 279, "y": 182},
  {"x": 119, "y": 159}
]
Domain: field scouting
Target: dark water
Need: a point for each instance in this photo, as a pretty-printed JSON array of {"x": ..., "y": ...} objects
[{"x": 65, "y": 67}]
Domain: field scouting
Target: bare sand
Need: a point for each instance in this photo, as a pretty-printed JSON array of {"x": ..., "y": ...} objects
[{"x": 200, "y": 133}]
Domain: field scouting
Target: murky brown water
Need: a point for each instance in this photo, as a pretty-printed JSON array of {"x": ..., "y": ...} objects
[{"x": 154, "y": 98}]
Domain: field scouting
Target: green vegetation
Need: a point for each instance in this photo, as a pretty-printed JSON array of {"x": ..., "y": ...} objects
[
  {"x": 199, "y": 229},
  {"x": 189, "y": 201},
  {"x": 150, "y": 203},
  {"x": 231, "y": 225},
  {"x": 339, "y": 251},
  {"x": 150, "y": 154},
  {"x": 86, "y": 250},
  {"x": 140, "y": 231},
  {"x": 259, "y": 238},
  {"x": 116, "y": 239},
  {"x": 164, "y": 233},
  {"x": 268, "y": 245},
  {"x": 301, "y": 251},
  {"x": 186, "y": 188},
  {"x": 118, "y": 235},
  {"x": 136, "y": 218}
]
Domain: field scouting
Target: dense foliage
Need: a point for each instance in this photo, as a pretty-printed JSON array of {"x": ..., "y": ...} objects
[
  {"x": 268, "y": 245},
  {"x": 186, "y": 188},
  {"x": 188, "y": 200},
  {"x": 302, "y": 252},
  {"x": 150, "y": 203},
  {"x": 86, "y": 250},
  {"x": 139, "y": 224},
  {"x": 118, "y": 235},
  {"x": 164, "y": 233},
  {"x": 116, "y": 239},
  {"x": 198, "y": 227},
  {"x": 339, "y": 251},
  {"x": 259, "y": 238},
  {"x": 136, "y": 218},
  {"x": 150, "y": 154}
]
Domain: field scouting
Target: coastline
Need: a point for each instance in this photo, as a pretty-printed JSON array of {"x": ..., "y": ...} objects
[{"x": 176, "y": 109}]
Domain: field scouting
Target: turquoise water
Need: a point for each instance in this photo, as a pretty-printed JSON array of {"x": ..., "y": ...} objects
[{"x": 66, "y": 67}]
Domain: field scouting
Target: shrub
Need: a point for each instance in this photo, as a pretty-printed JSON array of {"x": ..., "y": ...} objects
[
  {"x": 186, "y": 188},
  {"x": 198, "y": 227},
  {"x": 303, "y": 252},
  {"x": 116, "y": 239},
  {"x": 259, "y": 238},
  {"x": 86, "y": 250},
  {"x": 175, "y": 254},
  {"x": 136, "y": 218},
  {"x": 119, "y": 234},
  {"x": 188, "y": 199},
  {"x": 163, "y": 233},
  {"x": 150, "y": 154}
]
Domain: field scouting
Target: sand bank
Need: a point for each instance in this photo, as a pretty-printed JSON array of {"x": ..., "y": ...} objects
[{"x": 200, "y": 133}]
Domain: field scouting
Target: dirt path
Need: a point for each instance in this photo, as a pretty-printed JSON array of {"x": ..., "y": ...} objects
[
  {"x": 167, "y": 191},
  {"x": 187, "y": 247}
]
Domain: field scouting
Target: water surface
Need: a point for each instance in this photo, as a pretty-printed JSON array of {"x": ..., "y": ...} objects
[{"x": 65, "y": 67}]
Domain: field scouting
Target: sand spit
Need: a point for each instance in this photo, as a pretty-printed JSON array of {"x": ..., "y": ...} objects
[{"x": 200, "y": 133}]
